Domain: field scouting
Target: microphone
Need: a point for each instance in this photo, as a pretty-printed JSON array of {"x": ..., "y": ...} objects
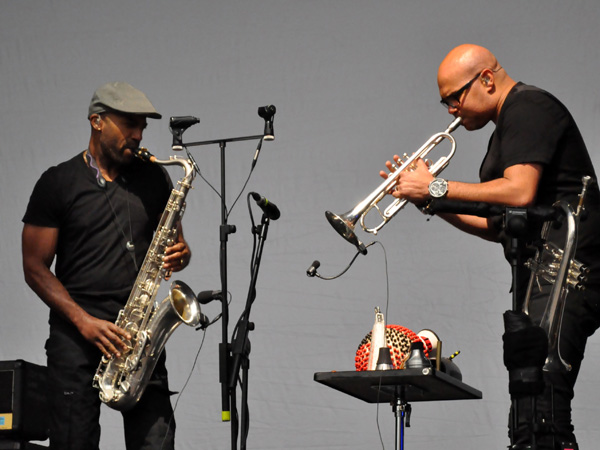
[
  {"x": 267, "y": 113},
  {"x": 269, "y": 209},
  {"x": 205, "y": 297},
  {"x": 312, "y": 270}
]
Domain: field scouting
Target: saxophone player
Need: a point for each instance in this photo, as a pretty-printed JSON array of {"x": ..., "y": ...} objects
[
  {"x": 94, "y": 216},
  {"x": 536, "y": 156}
]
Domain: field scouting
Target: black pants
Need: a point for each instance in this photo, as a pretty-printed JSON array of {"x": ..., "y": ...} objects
[
  {"x": 75, "y": 405},
  {"x": 581, "y": 318}
]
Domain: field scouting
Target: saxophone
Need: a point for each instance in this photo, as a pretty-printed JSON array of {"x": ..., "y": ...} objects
[{"x": 122, "y": 380}]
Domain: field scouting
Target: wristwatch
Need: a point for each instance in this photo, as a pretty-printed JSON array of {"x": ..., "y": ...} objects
[{"x": 438, "y": 188}]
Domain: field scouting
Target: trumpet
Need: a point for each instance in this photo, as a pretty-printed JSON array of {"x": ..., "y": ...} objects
[{"x": 345, "y": 224}]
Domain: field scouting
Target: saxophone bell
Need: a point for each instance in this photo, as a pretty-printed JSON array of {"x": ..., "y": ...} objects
[{"x": 180, "y": 306}]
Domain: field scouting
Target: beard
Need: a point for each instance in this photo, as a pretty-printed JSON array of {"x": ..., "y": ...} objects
[{"x": 122, "y": 155}]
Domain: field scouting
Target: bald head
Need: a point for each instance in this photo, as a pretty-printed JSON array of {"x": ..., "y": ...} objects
[
  {"x": 461, "y": 65},
  {"x": 466, "y": 60}
]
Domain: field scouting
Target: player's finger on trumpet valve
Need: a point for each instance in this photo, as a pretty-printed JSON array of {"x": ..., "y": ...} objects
[
  {"x": 391, "y": 168},
  {"x": 402, "y": 160}
]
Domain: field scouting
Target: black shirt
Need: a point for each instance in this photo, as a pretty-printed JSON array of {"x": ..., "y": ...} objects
[
  {"x": 95, "y": 223},
  {"x": 534, "y": 127}
]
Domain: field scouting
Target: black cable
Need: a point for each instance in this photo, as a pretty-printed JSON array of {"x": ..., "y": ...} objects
[
  {"x": 184, "y": 386},
  {"x": 197, "y": 169},
  {"x": 387, "y": 304},
  {"x": 312, "y": 271},
  {"x": 228, "y": 211}
]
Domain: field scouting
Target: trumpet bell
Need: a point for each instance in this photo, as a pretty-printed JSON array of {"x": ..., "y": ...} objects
[{"x": 345, "y": 226}]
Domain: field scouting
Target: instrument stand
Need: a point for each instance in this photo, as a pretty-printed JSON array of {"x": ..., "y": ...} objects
[
  {"x": 516, "y": 224},
  {"x": 398, "y": 387},
  {"x": 402, "y": 411}
]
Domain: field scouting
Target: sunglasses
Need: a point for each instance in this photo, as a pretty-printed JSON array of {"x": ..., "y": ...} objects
[{"x": 453, "y": 100}]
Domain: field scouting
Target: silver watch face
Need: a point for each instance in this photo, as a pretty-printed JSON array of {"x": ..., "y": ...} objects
[{"x": 438, "y": 187}]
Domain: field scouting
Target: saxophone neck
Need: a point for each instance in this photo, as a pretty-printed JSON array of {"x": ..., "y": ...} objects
[{"x": 143, "y": 154}]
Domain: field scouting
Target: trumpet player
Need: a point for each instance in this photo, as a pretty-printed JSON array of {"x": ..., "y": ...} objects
[
  {"x": 96, "y": 214},
  {"x": 535, "y": 156}
]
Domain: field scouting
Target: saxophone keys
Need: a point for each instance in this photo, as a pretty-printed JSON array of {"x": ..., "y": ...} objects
[{"x": 125, "y": 386}]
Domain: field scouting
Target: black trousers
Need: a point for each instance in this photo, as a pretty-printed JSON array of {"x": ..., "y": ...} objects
[
  {"x": 580, "y": 319},
  {"x": 75, "y": 405}
]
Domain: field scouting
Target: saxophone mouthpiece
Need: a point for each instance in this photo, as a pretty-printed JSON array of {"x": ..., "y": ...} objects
[{"x": 145, "y": 155}]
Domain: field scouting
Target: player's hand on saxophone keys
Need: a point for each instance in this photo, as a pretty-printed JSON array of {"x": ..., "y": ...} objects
[
  {"x": 106, "y": 336},
  {"x": 176, "y": 258}
]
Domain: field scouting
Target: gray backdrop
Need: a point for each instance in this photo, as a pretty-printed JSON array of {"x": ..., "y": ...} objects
[{"x": 354, "y": 82}]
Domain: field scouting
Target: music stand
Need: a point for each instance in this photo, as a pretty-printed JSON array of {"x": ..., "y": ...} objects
[{"x": 399, "y": 387}]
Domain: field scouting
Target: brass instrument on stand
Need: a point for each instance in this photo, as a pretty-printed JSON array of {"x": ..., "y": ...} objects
[{"x": 559, "y": 268}]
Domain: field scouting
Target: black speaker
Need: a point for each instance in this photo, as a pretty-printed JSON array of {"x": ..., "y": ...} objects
[
  {"x": 19, "y": 445},
  {"x": 23, "y": 404}
]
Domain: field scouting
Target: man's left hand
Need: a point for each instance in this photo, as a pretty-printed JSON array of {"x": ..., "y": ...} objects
[{"x": 177, "y": 257}]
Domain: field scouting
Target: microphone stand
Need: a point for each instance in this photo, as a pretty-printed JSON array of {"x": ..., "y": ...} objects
[
  {"x": 228, "y": 395},
  {"x": 178, "y": 125},
  {"x": 241, "y": 343}
]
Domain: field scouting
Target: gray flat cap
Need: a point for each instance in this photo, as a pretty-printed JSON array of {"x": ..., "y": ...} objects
[{"x": 121, "y": 97}]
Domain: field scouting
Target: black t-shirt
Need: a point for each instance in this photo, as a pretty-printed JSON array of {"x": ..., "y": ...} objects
[
  {"x": 95, "y": 223},
  {"x": 534, "y": 127}
]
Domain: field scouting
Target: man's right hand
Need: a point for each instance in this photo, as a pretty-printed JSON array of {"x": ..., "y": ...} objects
[{"x": 106, "y": 336}]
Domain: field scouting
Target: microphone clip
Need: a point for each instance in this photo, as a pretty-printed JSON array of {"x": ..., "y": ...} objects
[
  {"x": 177, "y": 125},
  {"x": 268, "y": 114}
]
